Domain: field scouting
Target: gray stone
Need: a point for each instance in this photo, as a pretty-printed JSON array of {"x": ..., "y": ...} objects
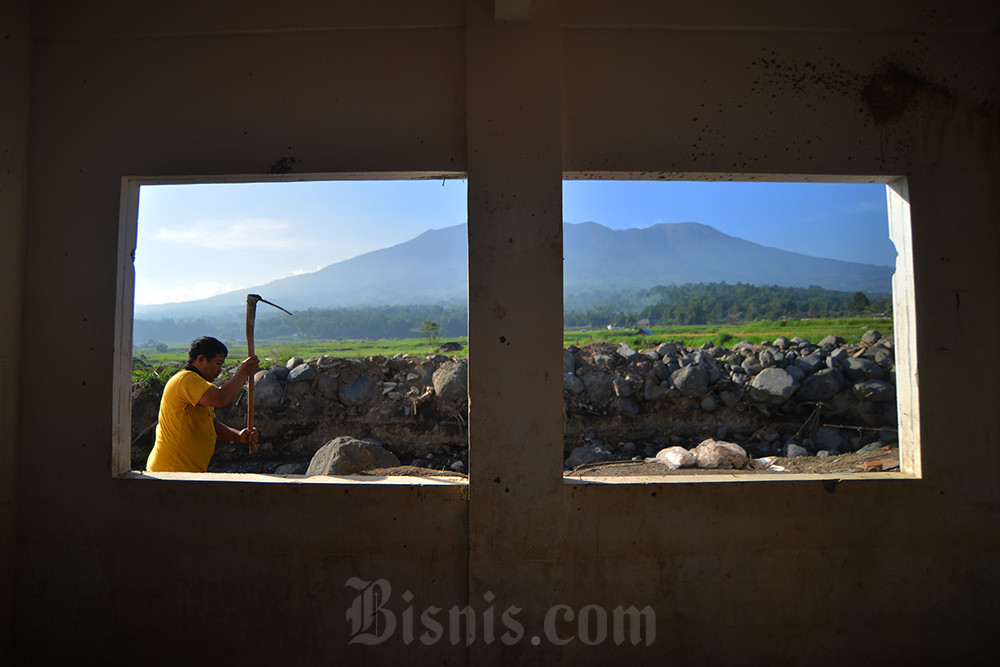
[
  {"x": 290, "y": 469},
  {"x": 626, "y": 352},
  {"x": 715, "y": 454},
  {"x": 839, "y": 355},
  {"x": 666, "y": 349},
  {"x": 621, "y": 387},
  {"x": 792, "y": 450},
  {"x": 831, "y": 341},
  {"x": 302, "y": 373},
  {"x": 280, "y": 372},
  {"x": 451, "y": 385},
  {"x": 358, "y": 392},
  {"x": 569, "y": 361},
  {"x": 572, "y": 384},
  {"x": 821, "y": 386},
  {"x": 874, "y": 390},
  {"x": 296, "y": 390},
  {"x": 810, "y": 363},
  {"x": 881, "y": 355},
  {"x": 346, "y": 456},
  {"x": 708, "y": 361},
  {"x": 773, "y": 386},
  {"x": 795, "y": 372},
  {"x": 708, "y": 404},
  {"x": 293, "y": 362},
  {"x": 858, "y": 369},
  {"x": 782, "y": 343},
  {"x": 871, "y": 337},
  {"x": 751, "y": 365},
  {"x": 691, "y": 380},
  {"x": 766, "y": 359},
  {"x": 594, "y": 452},
  {"x": 600, "y": 388},
  {"x": 327, "y": 385},
  {"x": 267, "y": 390}
]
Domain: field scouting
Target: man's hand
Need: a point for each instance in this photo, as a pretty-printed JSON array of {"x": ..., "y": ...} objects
[
  {"x": 250, "y": 436},
  {"x": 250, "y": 366}
]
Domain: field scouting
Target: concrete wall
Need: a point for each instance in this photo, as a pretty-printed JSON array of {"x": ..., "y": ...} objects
[{"x": 749, "y": 573}]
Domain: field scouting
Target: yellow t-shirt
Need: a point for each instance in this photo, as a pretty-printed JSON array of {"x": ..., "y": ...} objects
[{"x": 185, "y": 434}]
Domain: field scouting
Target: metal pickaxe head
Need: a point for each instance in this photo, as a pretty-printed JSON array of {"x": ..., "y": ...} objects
[{"x": 252, "y": 300}]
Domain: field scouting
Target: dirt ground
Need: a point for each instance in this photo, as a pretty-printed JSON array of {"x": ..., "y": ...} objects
[{"x": 881, "y": 460}]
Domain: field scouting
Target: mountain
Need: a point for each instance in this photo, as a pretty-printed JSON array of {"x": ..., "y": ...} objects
[
  {"x": 433, "y": 268},
  {"x": 598, "y": 258}
]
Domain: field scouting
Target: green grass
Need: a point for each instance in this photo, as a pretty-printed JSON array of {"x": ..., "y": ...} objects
[
  {"x": 278, "y": 352},
  {"x": 727, "y": 335},
  {"x": 850, "y": 329}
]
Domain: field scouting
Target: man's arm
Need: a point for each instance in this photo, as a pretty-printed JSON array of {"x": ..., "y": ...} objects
[
  {"x": 248, "y": 436},
  {"x": 218, "y": 397}
]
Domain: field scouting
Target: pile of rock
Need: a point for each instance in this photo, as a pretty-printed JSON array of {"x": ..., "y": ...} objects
[
  {"x": 779, "y": 397},
  {"x": 771, "y": 398}
]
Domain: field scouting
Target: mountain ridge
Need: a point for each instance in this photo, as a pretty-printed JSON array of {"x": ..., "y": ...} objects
[{"x": 432, "y": 267}]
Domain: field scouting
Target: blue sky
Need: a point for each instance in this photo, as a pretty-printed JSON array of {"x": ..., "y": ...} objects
[{"x": 198, "y": 240}]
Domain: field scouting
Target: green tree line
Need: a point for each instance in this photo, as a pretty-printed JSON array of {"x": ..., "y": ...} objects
[
  {"x": 711, "y": 303},
  {"x": 716, "y": 303},
  {"x": 319, "y": 324}
]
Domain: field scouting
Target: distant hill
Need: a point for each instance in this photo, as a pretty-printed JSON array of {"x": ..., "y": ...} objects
[{"x": 433, "y": 268}]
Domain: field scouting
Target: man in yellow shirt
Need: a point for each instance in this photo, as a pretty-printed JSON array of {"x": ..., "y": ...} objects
[{"x": 187, "y": 427}]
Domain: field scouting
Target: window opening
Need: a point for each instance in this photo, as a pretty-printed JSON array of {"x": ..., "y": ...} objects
[
  {"x": 760, "y": 314},
  {"x": 375, "y": 274}
]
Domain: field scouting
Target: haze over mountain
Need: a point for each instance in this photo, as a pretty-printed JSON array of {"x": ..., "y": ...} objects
[{"x": 433, "y": 268}]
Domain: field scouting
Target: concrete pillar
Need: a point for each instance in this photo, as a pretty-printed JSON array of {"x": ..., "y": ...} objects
[{"x": 515, "y": 325}]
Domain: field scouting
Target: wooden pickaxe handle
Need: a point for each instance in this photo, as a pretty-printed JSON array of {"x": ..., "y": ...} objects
[
  {"x": 251, "y": 318},
  {"x": 252, "y": 300}
]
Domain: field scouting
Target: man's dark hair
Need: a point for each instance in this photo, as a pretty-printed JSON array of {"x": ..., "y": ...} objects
[{"x": 208, "y": 347}]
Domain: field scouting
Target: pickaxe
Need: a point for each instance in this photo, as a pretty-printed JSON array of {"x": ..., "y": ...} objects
[{"x": 252, "y": 300}]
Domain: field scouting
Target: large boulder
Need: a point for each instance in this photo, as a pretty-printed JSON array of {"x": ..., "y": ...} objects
[
  {"x": 874, "y": 390},
  {"x": 713, "y": 454},
  {"x": 572, "y": 384},
  {"x": 346, "y": 456},
  {"x": 859, "y": 369},
  {"x": 302, "y": 373},
  {"x": 675, "y": 457},
  {"x": 267, "y": 390},
  {"x": 691, "y": 380},
  {"x": 451, "y": 385},
  {"x": 821, "y": 386},
  {"x": 594, "y": 452},
  {"x": 773, "y": 386},
  {"x": 358, "y": 392}
]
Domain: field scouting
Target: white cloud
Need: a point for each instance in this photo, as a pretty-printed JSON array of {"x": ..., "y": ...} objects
[
  {"x": 243, "y": 233},
  {"x": 301, "y": 272},
  {"x": 200, "y": 290}
]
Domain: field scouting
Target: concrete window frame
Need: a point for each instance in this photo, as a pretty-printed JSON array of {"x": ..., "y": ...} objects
[
  {"x": 121, "y": 407},
  {"x": 904, "y": 328}
]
